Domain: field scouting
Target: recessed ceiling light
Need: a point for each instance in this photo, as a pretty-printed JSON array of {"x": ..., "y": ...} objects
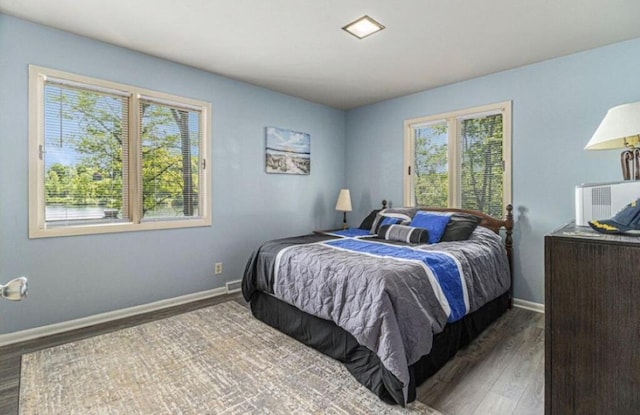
[{"x": 363, "y": 27}]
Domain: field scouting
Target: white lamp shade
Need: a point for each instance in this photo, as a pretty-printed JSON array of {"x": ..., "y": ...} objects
[
  {"x": 344, "y": 201},
  {"x": 619, "y": 128}
]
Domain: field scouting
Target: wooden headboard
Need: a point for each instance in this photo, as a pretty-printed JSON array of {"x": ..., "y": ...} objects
[{"x": 486, "y": 221}]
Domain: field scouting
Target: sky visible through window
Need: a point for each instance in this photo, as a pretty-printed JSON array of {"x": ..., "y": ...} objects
[{"x": 431, "y": 139}]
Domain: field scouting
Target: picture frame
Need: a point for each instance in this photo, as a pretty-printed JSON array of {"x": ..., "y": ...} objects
[{"x": 287, "y": 151}]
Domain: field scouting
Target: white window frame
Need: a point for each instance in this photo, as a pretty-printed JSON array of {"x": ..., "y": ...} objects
[
  {"x": 37, "y": 223},
  {"x": 451, "y": 119}
]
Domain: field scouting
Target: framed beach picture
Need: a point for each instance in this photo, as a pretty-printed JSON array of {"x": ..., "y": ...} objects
[{"x": 287, "y": 152}]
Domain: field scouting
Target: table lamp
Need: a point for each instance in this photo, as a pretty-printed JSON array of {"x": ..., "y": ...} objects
[
  {"x": 344, "y": 205},
  {"x": 620, "y": 128}
]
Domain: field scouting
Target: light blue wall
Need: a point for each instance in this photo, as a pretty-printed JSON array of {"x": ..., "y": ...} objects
[
  {"x": 557, "y": 105},
  {"x": 73, "y": 277}
]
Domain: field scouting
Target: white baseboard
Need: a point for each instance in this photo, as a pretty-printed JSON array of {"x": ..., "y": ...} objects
[
  {"x": 528, "y": 305},
  {"x": 37, "y": 332},
  {"x": 231, "y": 287}
]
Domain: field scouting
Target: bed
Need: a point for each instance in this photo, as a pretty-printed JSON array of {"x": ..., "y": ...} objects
[{"x": 394, "y": 299}]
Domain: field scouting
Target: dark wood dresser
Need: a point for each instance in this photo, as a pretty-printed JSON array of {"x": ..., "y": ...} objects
[{"x": 592, "y": 316}]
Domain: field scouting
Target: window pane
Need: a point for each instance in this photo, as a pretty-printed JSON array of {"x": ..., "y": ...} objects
[
  {"x": 431, "y": 172},
  {"x": 170, "y": 150},
  {"x": 85, "y": 142},
  {"x": 481, "y": 171}
]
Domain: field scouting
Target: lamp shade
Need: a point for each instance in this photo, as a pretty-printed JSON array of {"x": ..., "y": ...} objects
[
  {"x": 344, "y": 201},
  {"x": 619, "y": 128}
]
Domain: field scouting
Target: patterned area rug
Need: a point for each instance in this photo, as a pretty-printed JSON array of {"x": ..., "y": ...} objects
[{"x": 217, "y": 360}]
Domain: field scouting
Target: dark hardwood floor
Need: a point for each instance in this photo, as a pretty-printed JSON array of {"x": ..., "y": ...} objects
[{"x": 501, "y": 372}]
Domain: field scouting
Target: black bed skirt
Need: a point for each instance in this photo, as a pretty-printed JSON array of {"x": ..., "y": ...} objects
[{"x": 326, "y": 337}]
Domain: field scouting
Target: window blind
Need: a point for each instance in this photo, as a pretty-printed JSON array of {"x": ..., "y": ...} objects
[
  {"x": 170, "y": 154},
  {"x": 85, "y": 154},
  {"x": 480, "y": 154}
]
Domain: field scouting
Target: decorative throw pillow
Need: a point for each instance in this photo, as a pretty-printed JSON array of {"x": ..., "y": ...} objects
[
  {"x": 367, "y": 222},
  {"x": 460, "y": 227},
  {"x": 403, "y": 233},
  {"x": 388, "y": 218},
  {"x": 434, "y": 222}
]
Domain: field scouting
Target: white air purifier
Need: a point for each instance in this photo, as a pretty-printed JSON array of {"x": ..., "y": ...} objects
[{"x": 596, "y": 201}]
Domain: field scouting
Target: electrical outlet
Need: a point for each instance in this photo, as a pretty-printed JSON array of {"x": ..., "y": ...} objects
[{"x": 218, "y": 268}]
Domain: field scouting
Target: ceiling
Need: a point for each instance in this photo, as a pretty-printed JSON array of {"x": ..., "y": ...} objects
[{"x": 297, "y": 47}]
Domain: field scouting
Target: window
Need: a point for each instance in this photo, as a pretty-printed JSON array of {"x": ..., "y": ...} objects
[
  {"x": 460, "y": 159},
  {"x": 106, "y": 157}
]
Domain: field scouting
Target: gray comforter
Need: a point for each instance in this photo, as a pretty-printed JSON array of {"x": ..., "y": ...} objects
[{"x": 392, "y": 305}]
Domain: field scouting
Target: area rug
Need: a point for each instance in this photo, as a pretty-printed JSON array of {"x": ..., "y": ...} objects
[{"x": 217, "y": 360}]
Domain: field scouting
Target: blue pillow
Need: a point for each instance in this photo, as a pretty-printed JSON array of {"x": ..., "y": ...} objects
[
  {"x": 390, "y": 221},
  {"x": 434, "y": 223}
]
